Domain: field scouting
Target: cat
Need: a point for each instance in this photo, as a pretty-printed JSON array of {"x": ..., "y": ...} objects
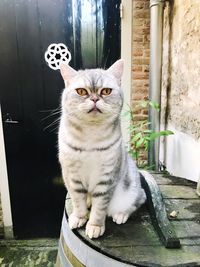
[{"x": 92, "y": 155}]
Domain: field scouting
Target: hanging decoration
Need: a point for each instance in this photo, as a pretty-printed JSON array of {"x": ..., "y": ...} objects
[{"x": 55, "y": 54}]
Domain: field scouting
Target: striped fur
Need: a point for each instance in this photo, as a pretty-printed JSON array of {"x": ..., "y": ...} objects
[{"x": 91, "y": 151}]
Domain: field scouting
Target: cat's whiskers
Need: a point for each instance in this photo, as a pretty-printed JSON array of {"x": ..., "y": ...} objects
[
  {"x": 56, "y": 128},
  {"x": 51, "y": 124},
  {"x": 53, "y": 113}
]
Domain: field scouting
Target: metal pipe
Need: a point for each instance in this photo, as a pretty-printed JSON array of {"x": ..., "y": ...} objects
[{"x": 156, "y": 36}]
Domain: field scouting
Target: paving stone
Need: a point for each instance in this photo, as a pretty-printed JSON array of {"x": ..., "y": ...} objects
[{"x": 31, "y": 253}]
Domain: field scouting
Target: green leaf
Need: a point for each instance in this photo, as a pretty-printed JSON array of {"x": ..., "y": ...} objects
[
  {"x": 146, "y": 144},
  {"x": 154, "y": 105},
  {"x": 147, "y": 132},
  {"x": 155, "y": 135},
  {"x": 138, "y": 130},
  {"x": 136, "y": 154},
  {"x": 166, "y": 132},
  {"x": 139, "y": 143},
  {"x": 136, "y": 137},
  {"x": 145, "y": 123},
  {"x": 144, "y": 103},
  {"x": 150, "y": 167},
  {"x": 134, "y": 126},
  {"x": 133, "y": 153}
]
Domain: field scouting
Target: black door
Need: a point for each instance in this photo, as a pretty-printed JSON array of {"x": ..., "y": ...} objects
[{"x": 30, "y": 96}]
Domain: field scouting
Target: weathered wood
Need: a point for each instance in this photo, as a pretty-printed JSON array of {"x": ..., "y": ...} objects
[
  {"x": 157, "y": 256},
  {"x": 136, "y": 242},
  {"x": 186, "y": 209},
  {"x": 158, "y": 213},
  {"x": 127, "y": 243},
  {"x": 165, "y": 178},
  {"x": 188, "y": 232},
  {"x": 80, "y": 254},
  {"x": 114, "y": 232},
  {"x": 178, "y": 191}
]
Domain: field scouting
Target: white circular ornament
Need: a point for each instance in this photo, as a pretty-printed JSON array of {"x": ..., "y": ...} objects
[{"x": 55, "y": 54}]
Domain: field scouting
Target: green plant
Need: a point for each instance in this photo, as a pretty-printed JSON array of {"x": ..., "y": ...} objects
[{"x": 140, "y": 133}]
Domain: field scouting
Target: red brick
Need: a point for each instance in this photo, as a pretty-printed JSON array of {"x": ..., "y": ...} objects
[
  {"x": 135, "y": 102},
  {"x": 136, "y": 68},
  {"x": 138, "y": 83},
  {"x": 146, "y": 22},
  {"x": 138, "y": 5},
  {"x": 138, "y": 52},
  {"x": 147, "y": 38},
  {"x": 146, "y": 84},
  {"x": 138, "y": 22},
  {"x": 140, "y": 117},
  {"x": 140, "y": 76},
  {"x": 141, "y": 30},
  {"x": 141, "y": 90},
  {"x": 138, "y": 96},
  {"x": 145, "y": 112},
  {"x": 140, "y": 61},
  {"x": 138, "y": 38},
  {"x": 143, "y": 45},
  {"x": 141, "y": 14},
  {"x": 138, "y": 112},
  {"x": 147, "y": 52},
  {"x": 145, "y": 68}
]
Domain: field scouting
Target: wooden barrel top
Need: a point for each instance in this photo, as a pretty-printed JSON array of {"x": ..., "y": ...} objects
[{"x": 136, "y": 243}]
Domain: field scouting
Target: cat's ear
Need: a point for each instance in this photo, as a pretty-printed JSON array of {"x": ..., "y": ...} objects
[
  {"x": 67, "y": 72},
  {"x": 117, "y": 69}
]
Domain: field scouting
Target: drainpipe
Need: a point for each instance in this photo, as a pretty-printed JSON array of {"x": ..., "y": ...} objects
[{"x": 156, "y": 36}]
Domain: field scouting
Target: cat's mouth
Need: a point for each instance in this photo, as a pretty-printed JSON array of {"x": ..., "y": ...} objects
[{"x": 95, "y": 109}]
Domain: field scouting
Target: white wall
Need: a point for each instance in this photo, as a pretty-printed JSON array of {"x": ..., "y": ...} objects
[
  {"x": 4, "y": 189},
  {"x": 181, "y": 155},
  {"x": 180, "y": 101}
]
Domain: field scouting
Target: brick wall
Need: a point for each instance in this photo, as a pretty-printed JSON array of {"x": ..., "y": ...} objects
[{"x": 140, "y": 58}]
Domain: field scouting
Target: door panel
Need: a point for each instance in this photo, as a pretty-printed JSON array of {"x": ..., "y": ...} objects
[
  {"x": 30, "y": 97},
  {"x": 27, "y": 94}
]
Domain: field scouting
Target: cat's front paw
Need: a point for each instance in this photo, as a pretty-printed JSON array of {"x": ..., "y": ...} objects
[
  {"x": 94, "y": 231},
  {"x": 76, "y": 222},
  {"x": 120, "y": 217}
]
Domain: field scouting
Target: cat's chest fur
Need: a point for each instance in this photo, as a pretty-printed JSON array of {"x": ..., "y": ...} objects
[
  {"x": 90, "y": 170},
  {"x": 90, "y": 156}
]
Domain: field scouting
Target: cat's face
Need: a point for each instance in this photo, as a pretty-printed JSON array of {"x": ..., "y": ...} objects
[{"x": 93, "y": 95}]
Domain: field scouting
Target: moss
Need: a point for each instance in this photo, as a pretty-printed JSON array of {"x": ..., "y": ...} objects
[{"x": 26, "y": 255}]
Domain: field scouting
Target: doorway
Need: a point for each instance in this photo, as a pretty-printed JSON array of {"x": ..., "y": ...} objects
[{"x": 30, "y": 96}]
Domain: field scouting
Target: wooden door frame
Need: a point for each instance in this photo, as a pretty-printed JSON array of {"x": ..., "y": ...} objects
[
  {"x": 4, "y": 188},
  {"x": 126, "y": 55}
]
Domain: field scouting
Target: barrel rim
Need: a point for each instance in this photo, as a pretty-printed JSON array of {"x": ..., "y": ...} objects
[{"x": 106, "y": 259}]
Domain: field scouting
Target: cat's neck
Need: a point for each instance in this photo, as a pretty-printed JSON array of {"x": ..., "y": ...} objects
[{"x": 93, "y": 132}]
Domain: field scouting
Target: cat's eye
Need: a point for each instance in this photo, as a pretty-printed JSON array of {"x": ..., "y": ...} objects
[
  {"x": 82, "y": 91},
  {"x": 106, "y": 91}
]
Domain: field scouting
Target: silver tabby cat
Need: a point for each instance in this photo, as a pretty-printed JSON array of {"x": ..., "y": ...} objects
[{"x": 91, "y": 151}]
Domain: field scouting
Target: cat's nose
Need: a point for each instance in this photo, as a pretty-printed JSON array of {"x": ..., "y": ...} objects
[{"x": 94, "y": 98}]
